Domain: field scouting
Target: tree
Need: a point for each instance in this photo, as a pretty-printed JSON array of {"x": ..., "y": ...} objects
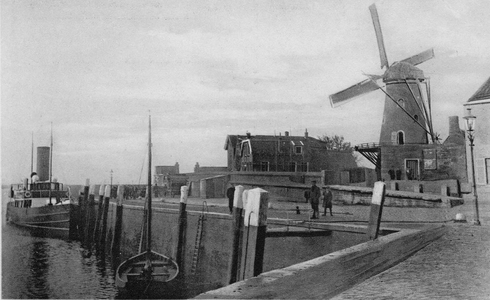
[{"x": 335, "y": 142}]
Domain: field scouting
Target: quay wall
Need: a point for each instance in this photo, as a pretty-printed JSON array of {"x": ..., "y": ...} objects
[
  {"x": 331, "y": 274},
  {"x": 214, "y": 247},
  {"x": 347, "y": 195}
]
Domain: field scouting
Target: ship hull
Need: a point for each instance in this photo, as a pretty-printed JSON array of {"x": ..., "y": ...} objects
[
  {"x": 53, "y": 221},
  {"x": 129, "y": 276}
]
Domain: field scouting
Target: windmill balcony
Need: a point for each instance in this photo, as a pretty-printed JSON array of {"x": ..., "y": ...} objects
[
  {"x": 371, "y": 151},
  {"x": 366, "y": 146}
]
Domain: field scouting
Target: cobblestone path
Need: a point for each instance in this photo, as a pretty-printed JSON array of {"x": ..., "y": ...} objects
[{"x": 457, "y": 266}]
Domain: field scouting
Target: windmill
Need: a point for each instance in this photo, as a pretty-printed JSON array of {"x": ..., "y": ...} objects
[{"x": 406, "y": 117}]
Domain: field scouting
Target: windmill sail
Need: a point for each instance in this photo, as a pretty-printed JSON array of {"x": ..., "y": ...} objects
[
  {"x": 379, "y": 36},
  {"x": 349, "y": 93},
  {"x": 420, "y": 58}
]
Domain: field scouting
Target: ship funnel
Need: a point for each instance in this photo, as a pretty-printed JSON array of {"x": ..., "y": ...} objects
[{"x": 43, "y": 163}]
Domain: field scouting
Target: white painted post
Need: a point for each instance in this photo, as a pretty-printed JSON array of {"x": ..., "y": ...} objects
[
  {"x": 255, "y": 221},
  {"x": 237, "y": 233},
  {"x": 376, "y": 209}
]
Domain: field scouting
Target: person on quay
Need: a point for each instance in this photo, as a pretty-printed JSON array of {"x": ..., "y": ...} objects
[
  {"x": 230, "y": 193},
  {"x": 315, "y": 195},
  {"x": 327, "y": 201}
]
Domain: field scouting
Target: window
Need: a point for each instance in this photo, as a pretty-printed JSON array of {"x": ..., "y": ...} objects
[
  {"x": 487, "y": 167},
  {"x": 264, "y": 166},
  {"x": 298, "y": 150},
  {"x": 400, "y": 138},
  {"x": 292, "y": 166},
  {"x": 401, "y": 102}
]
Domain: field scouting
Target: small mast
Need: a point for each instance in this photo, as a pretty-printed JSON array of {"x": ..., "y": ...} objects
[
  {"x": 51, "y": 164},
  {"x": 148, "y": 231}
]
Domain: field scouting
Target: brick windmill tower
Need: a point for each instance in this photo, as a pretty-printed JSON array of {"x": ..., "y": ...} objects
[{"x": 407, "y": 110}]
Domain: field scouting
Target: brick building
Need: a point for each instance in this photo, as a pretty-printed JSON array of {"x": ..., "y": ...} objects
[
  {"x": 479, "y": 104},
  {"x": 162, "y": 171},
  {"x": 284, "y": 153},
  {"x": 420, "y": 161}
]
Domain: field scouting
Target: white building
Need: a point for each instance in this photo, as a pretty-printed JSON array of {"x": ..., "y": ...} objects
[{"x": 480, "y": 107}]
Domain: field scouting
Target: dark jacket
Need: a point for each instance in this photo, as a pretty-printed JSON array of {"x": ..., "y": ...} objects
[
  {"x": 230, "y": 192},
  {"x": 315, "y": 194},
  {"x": 327, "y": 198}
]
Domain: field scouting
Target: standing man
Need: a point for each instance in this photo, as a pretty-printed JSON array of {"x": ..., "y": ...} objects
[
  {"x": 315, "y": 195},
  {"x": 327, "y": 201},
  {"x": 230, "y": 193}
]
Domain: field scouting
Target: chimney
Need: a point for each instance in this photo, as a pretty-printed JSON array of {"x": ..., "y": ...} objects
[
  {"x": 177, "y": 171},
  {"x": 454, "y": 125},
  {"x": 456, "y": 135},
  {"x": 286, "y": 133},
  {"x": 306, "y": 132},
  {"x": 43, "y": 163}
]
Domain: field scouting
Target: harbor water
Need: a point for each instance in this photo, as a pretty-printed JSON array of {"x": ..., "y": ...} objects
[{"x": 44, "y": 268}]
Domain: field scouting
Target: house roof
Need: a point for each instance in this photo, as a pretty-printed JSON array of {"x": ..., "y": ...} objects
[
  {"x": 482, "y": 93},
  {"x": 233, "y": 140}
]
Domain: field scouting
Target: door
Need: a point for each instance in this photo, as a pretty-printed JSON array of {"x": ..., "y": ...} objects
[{"x": 412, "y": 169}]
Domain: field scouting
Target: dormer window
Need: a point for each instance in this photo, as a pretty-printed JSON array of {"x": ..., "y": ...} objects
[{"x": 297, "y": 147}]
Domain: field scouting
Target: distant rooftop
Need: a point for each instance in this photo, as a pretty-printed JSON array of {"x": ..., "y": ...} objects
[{"x": 482, "y": 93}]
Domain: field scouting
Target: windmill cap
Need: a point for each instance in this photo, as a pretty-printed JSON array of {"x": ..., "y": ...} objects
[{"x": 403, "y": 70}]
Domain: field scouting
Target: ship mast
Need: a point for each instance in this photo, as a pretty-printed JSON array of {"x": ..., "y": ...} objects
[
  {"x": 32, "y": 152},
  {"x": 148, "y": 228},
  {"x": 51, "y": 164},
  {"x": 32, "y": 155}
]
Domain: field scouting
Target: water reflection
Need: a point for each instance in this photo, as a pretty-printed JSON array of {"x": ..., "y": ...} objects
[
  {"x": 44, "y": 268},
  {"x": 39, "y": 268}
]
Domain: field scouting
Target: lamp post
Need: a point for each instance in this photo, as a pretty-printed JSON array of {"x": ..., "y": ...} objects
[
  {"x": 470, "y": 128},
  {"x": 111, "y": 180}
]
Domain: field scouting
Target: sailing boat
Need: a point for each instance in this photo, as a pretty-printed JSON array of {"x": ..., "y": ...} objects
[
  {"x": 42, "y": 205},
  {"x": 148, "y": 270}
]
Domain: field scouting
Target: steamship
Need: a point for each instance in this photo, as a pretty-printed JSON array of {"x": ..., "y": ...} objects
[{"x": 42, "y": 204}]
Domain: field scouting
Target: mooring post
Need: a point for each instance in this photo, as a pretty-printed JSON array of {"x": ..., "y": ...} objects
[
  {"x": 99, "y": 214},
  {"x": 116, "y": 238},
  {"x": 237, "y": 233},
  {"x": 103, "y": 230},
  {"x": 89, "y": 222},
  {"x": 83, "y": 209},
  {"x": 377, "y": 202},
  {"x": 182, "y": 229},
  {"x": 255, "y": 221}
]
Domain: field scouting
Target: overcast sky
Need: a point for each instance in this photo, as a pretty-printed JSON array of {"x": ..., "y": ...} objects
[{"x": 207, "y": 69}]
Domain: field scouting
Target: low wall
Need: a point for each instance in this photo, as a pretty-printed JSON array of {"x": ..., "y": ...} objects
[
  {"x": 329, "y": 275},
  {"x": 213, "y": 187},
  {"x": 348, "y": 195},
  {"x": 451, "y": 187}
]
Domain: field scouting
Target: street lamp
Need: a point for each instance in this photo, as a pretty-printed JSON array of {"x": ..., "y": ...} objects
[
  {"x": 470, "y": 128},
  {"x": 111, "y": 180}
]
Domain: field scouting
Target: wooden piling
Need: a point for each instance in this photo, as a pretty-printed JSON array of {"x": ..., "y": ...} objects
[
  {"x": 99, "y": 214},
  {"x": 116, "y": 238},
  {"x": 255, "y": 221},
  {"x": 182, "y": 228},
  {"x": 82, "y": 203},
  {"x": 103, "y": 229},
  {"x": 237, "y": 234},
  {"x": 89, "y": 219},
  {"x": 377, "y": 202}
]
